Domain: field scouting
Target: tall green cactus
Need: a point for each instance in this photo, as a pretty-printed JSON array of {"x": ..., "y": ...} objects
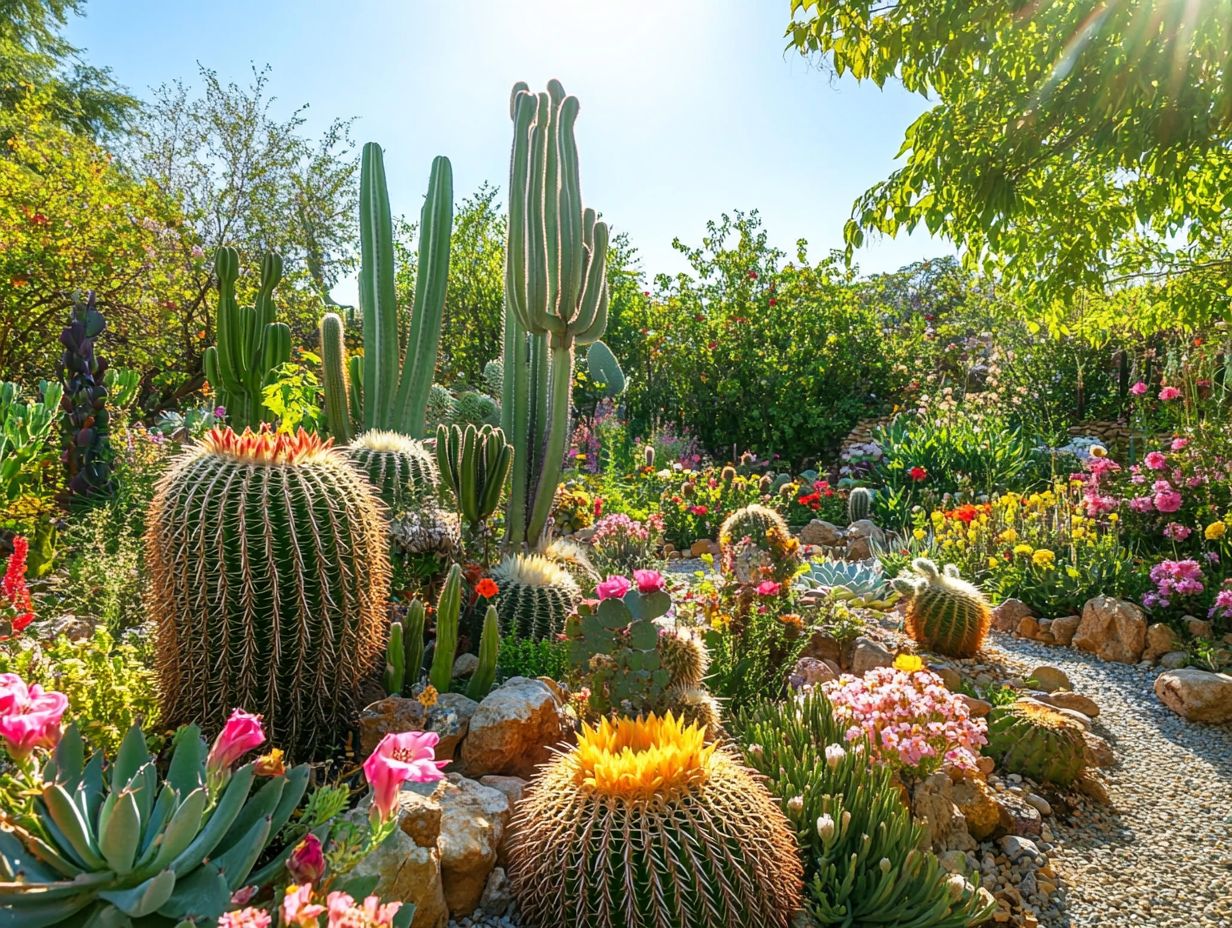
[
  {"x": 448, "y": 609},
  {"x": 489, "y": 649},
  {"x": 555, "y": 298},
  {"x": 389, "y": 389},
  {"x": 473, "y": 463},
  {"x": 250, "y": 344}
]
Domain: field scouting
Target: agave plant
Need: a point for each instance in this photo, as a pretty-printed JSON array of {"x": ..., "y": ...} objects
[
  {"x": 863, "y": 578},
  {"x": 107, "y": 846}
]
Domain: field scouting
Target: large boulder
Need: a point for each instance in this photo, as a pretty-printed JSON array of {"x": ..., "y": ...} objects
[
  {"x": 1112, "y": 630},
  {"x": 933, "y": 805},
  {"x": 867, "y": 654},
  {"x": 822, "y": 533},
  {"x": 473, "y": 820},
  {"x": 864, "y": 540},
  {"x": 450, "y": 717},
  {"x": 392, "y": 714},
  {"x": 1197, "y": 695},
  {"x": 1064, "y": 629},
  {"x": 514, "y": 728},
  {"x": 1049, "y": 678},
  {"x": 1007, "y": 615},
  {"x": 1161, "y": 639}
]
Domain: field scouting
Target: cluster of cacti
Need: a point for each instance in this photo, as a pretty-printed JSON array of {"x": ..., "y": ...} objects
[
  {"x": 645, "y": 825},
  {"x": 1036, "y": 741},
  {"x": 863, "y": 857},
  {"x": 249, "y": 346},
  {"x": 269, "y": 581},
  {"x": 474, "y": 463},
  {"x": 756, "y": 544},
  {"x": 475, "y": 408},
  {"x": 440, "y": 408},
  {"x": 401, "y": 469},
  {"x": 404, "y": 651},
  {"x": 426, "y": 530},
  {"x": 859, "y": 504},
  {"x": 536, "y": 596},
  {"x": 87, "y": 447},
  {"x": 945, "y": 613},
  {"x": 555, "y": 299},
  {"x": 133, "y": 847},
  {"x": 388, "y": 389},
  {"x": 614, "y": 646},
  {"x": 574, "y": 559}
]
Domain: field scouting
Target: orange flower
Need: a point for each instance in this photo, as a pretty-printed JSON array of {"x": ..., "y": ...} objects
[
  {"x": 270, "y": 765},
  {"x": 487, "y": 588}
]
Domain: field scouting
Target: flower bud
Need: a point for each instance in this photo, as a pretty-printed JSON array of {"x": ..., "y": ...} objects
[{"x": 825, "y": 827}]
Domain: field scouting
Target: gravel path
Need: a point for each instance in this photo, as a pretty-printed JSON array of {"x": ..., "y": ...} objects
[{"x": 1161, "y": 855}]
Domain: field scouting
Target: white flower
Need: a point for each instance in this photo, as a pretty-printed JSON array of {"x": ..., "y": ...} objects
[
  {"x": 834, "y": 755},
  {"x": 825, "y": 827},
  {"x": 795, "y": 805}
]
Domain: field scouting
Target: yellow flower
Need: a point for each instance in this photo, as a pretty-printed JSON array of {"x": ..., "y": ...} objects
[
  {"x": 642, "y": 758},
  {"x": 1073, "y": 573},
  {"x": 993, "y": 563},
  {"x": 427, "y": 698},
  {"x": 1099, "y": 451},
  {"x": 919, "y": 534},
  {"x": 1113, "y": 517},
  {"x": 720, "y": 621},
  {"x": 1024, "y": 550},
  {"x": 1009, "y": 536},
  {"x": 908, "y": 663},
  {"x": 1079, "y": 533},
  {"x": 1043, "y": 558},
  {"x": 1216, "y": 530}
]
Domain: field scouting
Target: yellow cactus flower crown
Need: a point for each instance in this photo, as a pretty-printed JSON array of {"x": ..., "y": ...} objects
[{"x": 641, "y": 758}]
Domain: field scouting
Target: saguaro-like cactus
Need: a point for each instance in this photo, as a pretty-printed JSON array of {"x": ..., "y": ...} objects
[
  {"x": 555, "y": 298},
  {"x": 389, "y": 389},
  {"x": 87, "y": 452},
  {"x": 269, "y": 580},
  {"x": 250, "y": 344}
]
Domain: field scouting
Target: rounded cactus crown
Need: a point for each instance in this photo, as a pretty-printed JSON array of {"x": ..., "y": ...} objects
[
  {"x": 1039, "y": 715},
  {"x": 753, "y": 520},
  {"x": 385, "y": 441},
  {"x": 531, "y": 570},
  {"x": 642, "y": 758},
  {"x": 267, "y": 446}
]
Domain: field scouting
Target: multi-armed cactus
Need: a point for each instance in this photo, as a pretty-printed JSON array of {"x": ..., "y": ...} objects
[
  {"x": 944, "y": 612},
  {"x": 555, "y": 298},
  {"x": 389, "y": 389},
  {"x": 87, "y": 453},
  {"x": 474, "y": 464},
  {"x": 404, "y": 651},
  {"x": 250, "y": 344}
]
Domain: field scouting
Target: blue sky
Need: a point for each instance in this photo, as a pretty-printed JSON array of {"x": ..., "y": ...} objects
[{"x": 689, "y": 107}]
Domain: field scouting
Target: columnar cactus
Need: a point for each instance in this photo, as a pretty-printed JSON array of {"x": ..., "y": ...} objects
[
  {"x": 401, "y": 469},
  {"x": 859, "y": 504},
  {"x": 404, "y": 652},
  {"x": 555, "y": 298},
  {"x": 474, "y": 463},
  {"x": 269, "y": 581},
  {"x": 448, "y": 612},
  {"x": 87, "y": 450},
  {"x": 393, "y": 391},
  {"x": 1036, "y": 741},
  {"x": 945, "y": 613},
  {"x": 484, "y": 674},
  {"x": 250, "y": 344},
  {"x": 536, "y": 596}
]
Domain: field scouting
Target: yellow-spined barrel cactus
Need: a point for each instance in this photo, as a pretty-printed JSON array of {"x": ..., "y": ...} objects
[
  {"x": 1036, "y": 741},
  {"x": 945, "y": 613},
  {"x": 645, "y": 825},
  {"x": 269, "y": 581},
  {"x": 402, "y": 470},
  {"x": 536, "y": 596},
  {"x": 683, "y": 655},
  {"x": 573, "y": 558}
]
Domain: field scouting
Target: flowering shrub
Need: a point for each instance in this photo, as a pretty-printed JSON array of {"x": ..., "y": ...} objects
[
  {"x": 695, "y": 503},
  {"x": 804, "y": 500},
  {"x": 619, "y": 543},
  {"x": 574, "y": 507},
  {"x": 1178, "y": 588},
  {"x": 912, "y": 722}
]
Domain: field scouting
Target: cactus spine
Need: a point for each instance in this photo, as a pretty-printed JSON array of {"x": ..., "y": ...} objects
[
  {"x": 400, "y": 468},
  {"x": 944, "y": 612},
  {"x": 250, "y": 344},
  {"x": 489, "y": 649},
  {"x": 474, "y": 464},
  {"x": 859, "y": 504},
  {"x": 555, "y": 298},
  {"x": 448, "y": 609},
  {"x": 1035, "y": 740},
  {"x": 269, "y": 582},
  {"x": 395, "y": 387}
]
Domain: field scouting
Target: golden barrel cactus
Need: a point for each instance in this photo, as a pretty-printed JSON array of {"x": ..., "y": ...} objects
[
  {"x": 945, "y": 613},
  {"x": 645, "y": 825},
  {"x": 269, "y": 582}
]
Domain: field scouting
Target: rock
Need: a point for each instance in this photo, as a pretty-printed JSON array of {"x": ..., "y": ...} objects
[
  {"x": 810, "y": 672},
  {"x": 1112, "y": 629},
  {"x": 1016, "y": 847},
  {"x": 513, "y": 729},
  {"x": 933, "y": 805},
  {"x": 954, "y": 862},
  {"x": 1097, "y": 751},
  {"x": 701, "y": 547},
  {"x": 1038, "y": 803},
  {"x": 822, "y": 533},
  {"x": 450, "y": 717},
  {"x": 1028, "y": 627},
  {"x": 473, "y": 820},
  {"x": 1161, "y": 639},
  {"x": 978, "y": 805},
  {"x": 1090, "y": 785},
  {"x": 867, "y": 654},
  {"x": 1196, "y": 695},
  {"x": 978, "y": 708},
  {"x": 513, "y": 788},
  {"x": 389, "y": 715},
  {"x": 1075, "y": 701},
  {"x": 407, "y": 864},
  {"x": 74, "y": 628},
  {"x": 864, "y": 540},
  {"x": 465, "y": 665},
  {"x": 1017, "y": 816},
  {"x": 1199, "y": 628},
  {"x": 1007, "y": 615},
  {"x": 497, "y": 898},
  {"x": 823, "y": 646},
  {"x": 1063, "y": 629},
  {"x": 1049, "y": 678},
  {"x": 1174, "y": 660},
  {"x": 949, "y": 676}
]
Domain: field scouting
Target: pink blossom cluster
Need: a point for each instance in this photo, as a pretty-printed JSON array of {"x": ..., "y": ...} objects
[
  {"x": 912, "y": 722},
  {"x": 1172, "y": 579},
  {"x": 1222, "y": 609},
  {"x": 617, "y": 586},
  {"x": 29, "y": 716}
]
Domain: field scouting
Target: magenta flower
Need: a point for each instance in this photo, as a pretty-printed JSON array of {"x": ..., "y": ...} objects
[
  {"x": 768, "y": 588},
  {"x": 1155, "y": 461},
  {"x": 1179, "y": 443},
  {"x": 614, "y": 587},
  {"x": 1138, "y": 389},
  {"x": 1169, "y": 393},
  {"x": 1176, "y": 531},
  {"x": 648, "y": 581},
  {"x": 399, "y": 758},
  {"x": 241, "y": 734},
  {"x": 307, "y": 861},
  {"x": 29, "y": 716},
  {"x": 1167, "y": 501}
]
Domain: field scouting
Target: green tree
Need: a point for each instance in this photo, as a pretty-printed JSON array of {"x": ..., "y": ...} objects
[{"x": 1074, "y": 144}]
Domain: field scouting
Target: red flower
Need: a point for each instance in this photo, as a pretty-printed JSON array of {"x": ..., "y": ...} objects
[
  {"x": 699, "y": 511},
  {"x": 598, "y": 506},
  {"x": 773, "y": 301},
  {"x": 487, "y": 588},
  {"x": 712, "y": 345},
  {"x": 917, "y": 473},
  {"x": 752, "y": 275}
]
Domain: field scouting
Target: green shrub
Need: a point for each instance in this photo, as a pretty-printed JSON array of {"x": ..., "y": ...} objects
[{"x": 527, "y": 657}]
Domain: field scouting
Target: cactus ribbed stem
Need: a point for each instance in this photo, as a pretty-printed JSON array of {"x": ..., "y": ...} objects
[
  {"x": 413, "y": 638},
  {"x": 335, "y": 376},
  {"x": 489, "y": 649},
  {"x": 448, "y": 610},
  {"x": 395, "y": 660}
]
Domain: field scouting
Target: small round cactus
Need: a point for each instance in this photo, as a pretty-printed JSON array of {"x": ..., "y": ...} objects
[
  {"x": 770, "y": 552},
  {"x": 945, "y": 613},
  {"x": 683, "y": 656},
  {"x": 475, "y": 408},
  {"x": 859, "y": 504},
  {"x": 402, "y": 470},
  {"x": 536, "y": 596},
  {"x": 1036, "y": 741}
]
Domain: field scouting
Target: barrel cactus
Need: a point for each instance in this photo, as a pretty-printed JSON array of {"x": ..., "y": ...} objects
[
  {"x": 945, "y": 613},
  {"x": 536, "y": 596},
  {"x": 756, "y": 544},
  {"x": 683, "y": 655},
  {"x": 269, "y": 581},
  {"x": 426, "y": 529},
  {"x": 859, "y": 504},
  {"x": 1034, "y": 740},
  {"x": 475, "y": 408},
  {"x": 402, "y": 471},
  {"x": 696, "y": 705},
  {"x": 645, "y": 825},
  {"x": 574, "y": 559}
]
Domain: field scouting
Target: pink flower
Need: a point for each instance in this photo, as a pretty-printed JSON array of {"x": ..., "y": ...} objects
[
  {"x": 768, "y": 588},
  {"x": 298, "y": 908},
  {"x": 29, "y": 716},
  {"x": 1176, "y": 531},
  {"x": 307, "y": 862},
  {"x": 344, "y": 913},
  {"x": 241, "y": 734},
  {"x": 614, "y": 587},
  {"x": 648, "y": 581},
  {"x": 244, "y": 895},
  {"x": 411, "y": 756},
  {"x": 245, "y": 918},
  {"x": 1168, "y": 501},
  {"x": 699, "y": 511},
  {"x": 1179, "y": 443},
  {"x": 1138, "y": 389},
  {"x": 1155, "y": 461},
  {"x": 1169, "y": 393}
]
